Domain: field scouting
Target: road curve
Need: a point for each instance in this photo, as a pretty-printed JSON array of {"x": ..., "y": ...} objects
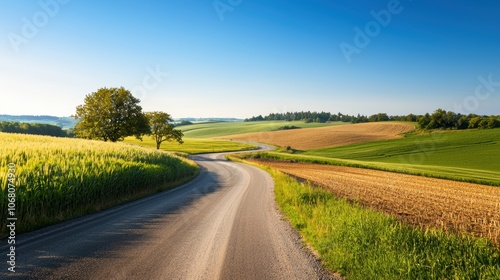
[{"x": 222, "y": 225}]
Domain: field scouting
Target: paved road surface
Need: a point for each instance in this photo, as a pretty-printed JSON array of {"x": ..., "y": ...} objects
[{"x": 221, "y": 225}]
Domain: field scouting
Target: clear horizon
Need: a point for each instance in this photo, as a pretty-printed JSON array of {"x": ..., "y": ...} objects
[{"x": 247, "y": 58}]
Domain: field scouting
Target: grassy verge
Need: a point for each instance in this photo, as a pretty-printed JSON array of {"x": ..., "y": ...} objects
[
  {"x": 485, "y": 177},
  {"x": 363, "y": 244},
  {"x": 58, "y": 179},
  {"x": 193, "y": 146}
]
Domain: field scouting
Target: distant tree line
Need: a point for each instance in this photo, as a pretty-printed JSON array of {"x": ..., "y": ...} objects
[
  {"x": 183, "y": 122},
  {"x": 440, "y": 119},
  {"x": 64, "y": 122},
  {"x": 34, "y": 128},
  {"x": 322, "y": 117}
]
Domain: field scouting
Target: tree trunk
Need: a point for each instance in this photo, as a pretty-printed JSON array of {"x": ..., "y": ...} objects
[{"x": 158, "y": 145}]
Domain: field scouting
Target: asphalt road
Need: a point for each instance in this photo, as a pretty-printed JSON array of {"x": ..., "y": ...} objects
[{"x": 222, "y": 225}]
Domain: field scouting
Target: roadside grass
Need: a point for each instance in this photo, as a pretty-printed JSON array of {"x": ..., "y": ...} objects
[
  {"x": 469, "y": 149},
  {"x": 193, "y": 146},
  {"x": 360, "y": 243},
  {"x": 217, "y": 129},
  {"x": 57, "y": 179}
]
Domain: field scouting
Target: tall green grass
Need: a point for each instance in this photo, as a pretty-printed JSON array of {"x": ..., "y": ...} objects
[
  {"x": 363, "y": 244},
  {"x": 58, "y": 179}
]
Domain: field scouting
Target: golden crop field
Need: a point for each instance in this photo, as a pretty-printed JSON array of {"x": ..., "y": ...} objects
[
  {"x": 59, "y": 178},
  {"x": 425, "y": 202},
  {"x": 312, "y": 138}
]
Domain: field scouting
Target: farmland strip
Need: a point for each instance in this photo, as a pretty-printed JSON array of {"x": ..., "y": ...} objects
[{"x": 425, "y": 202}]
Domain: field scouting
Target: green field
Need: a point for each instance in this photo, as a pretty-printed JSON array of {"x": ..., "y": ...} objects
[
  {"x": 478, "y": 176},
  {"x": 57, "y": 179},
  {"x": 468, "y": 156},
  {"x": 217, "y": 129},
  {"x": 193, "y": 146},
  {"x": 470, "y": 149}
]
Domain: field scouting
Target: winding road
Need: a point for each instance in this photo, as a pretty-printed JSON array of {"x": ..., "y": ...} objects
[{"x": 224, "y": 224}]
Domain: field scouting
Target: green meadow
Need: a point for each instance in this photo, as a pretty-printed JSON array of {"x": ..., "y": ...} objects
[
  {"x": 217, "y": 129},
  {"x": 468, "y": 156},
  {"x": 478, "y": 176},
  {"x": 470, "y": 149},
  {"x": 193, "y": 146}
]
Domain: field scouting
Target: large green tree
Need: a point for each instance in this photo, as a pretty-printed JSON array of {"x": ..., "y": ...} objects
[
  {"x": 110, "y": 114},
  {"x": 162, "y": 129}
]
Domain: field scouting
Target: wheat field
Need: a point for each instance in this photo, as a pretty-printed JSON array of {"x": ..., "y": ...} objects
[
  {"x": 60, "y": 178},
  {"x": 424, "y": 202}
]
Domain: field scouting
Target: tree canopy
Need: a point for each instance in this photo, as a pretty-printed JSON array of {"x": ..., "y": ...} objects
[
  {"x": 161, "y": 128},
  {"x": 110, "y": 114},
  {"x": 322, "y": 117},
  {"x": 442, "y": 119}
]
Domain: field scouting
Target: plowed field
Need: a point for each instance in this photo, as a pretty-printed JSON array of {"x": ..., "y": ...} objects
[
  {"x": 312, "y": 138},
  {"x": 426, "y": 202}
]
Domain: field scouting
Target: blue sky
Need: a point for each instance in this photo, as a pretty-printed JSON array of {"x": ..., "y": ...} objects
[{"x": 239, "y": 58}]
